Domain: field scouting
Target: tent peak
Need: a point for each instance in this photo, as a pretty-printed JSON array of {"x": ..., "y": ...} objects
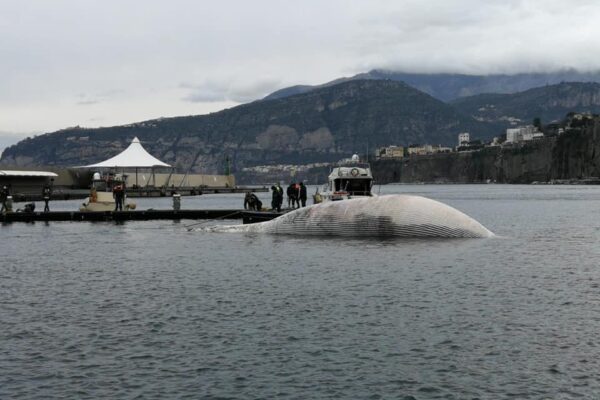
[{"x": 134, "y": 156}]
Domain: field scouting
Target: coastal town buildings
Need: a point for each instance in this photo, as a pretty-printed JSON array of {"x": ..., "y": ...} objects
[
  {"x": 390, "y": 152},
  {"x": 522, "y": 134},
  {"x": 418, "y": 150}
]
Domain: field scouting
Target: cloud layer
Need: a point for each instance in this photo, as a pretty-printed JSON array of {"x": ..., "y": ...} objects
[{"x": 68, "y": 63}]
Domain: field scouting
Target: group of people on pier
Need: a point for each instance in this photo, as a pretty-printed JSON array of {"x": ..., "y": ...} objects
[
  {"x": 296, "y": 196},
  {"x": 6, "y": 194}
]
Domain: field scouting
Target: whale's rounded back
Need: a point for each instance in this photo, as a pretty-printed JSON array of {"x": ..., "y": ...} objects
[{"x": 379, "y": 216}]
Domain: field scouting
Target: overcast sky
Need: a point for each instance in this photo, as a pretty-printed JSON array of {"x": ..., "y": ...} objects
[{"x": 108, "y": 62}]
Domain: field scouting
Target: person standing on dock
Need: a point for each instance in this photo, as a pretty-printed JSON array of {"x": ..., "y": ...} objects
[
  {"x": 277, "y": 198},
  {"x": 4, "y": 193},
  {"x": 119, "y": 194},
  {"x": 46, "y": 193},
  {"x": 303, "y": 195},
  {"x": 290, "y": 194},
  {"x": 297, "y": 194},
  {"x": 273, "y": 197}
]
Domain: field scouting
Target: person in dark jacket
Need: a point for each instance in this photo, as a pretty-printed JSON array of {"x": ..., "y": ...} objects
[
  {"x": 119, "y": 195},
  {"x": 46, "y": 193},
  {"x": 4, "y": 193},
  {"x": 273, "y": 197},
  {"x": 291, "y": 195},
  {"x": 279, "y": 196},
  {"x": 297, "y": 194},
  {"x": 303, "y": 195},
  {"x": 251, "y": 202},
  {"x": 277, "y": 199}
]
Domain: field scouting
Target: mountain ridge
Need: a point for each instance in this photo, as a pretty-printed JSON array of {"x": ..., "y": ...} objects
[
  {"x": 549, "y": 103},
  {"x": 449, "y": 86},
  {"x": 322, "y": 125}
]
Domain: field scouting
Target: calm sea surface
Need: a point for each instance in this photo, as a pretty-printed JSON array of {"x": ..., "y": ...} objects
[{"x": 151, "y": 310}]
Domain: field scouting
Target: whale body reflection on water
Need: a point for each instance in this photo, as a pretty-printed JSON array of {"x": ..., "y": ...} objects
[{"x": 379, "y": 216}]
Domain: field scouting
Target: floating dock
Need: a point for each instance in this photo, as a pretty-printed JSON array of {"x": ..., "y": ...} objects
[
  {"x": 141, "y": 215},
  {"x": 71, "y": 194}
]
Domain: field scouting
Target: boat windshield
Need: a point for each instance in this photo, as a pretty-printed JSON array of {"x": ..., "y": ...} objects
[
  {"x": 356, "y": 187},
  {"x": 356, "y": 164}
]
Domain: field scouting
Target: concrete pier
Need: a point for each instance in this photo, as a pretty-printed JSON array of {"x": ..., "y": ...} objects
[
  {"x": 70, "y": 194},
  {"x": 142, "y": 215}
]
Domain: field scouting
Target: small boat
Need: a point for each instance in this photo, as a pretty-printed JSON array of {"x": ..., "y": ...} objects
[
  {"x": 348, "y": 180},
  {"x": 101, "y": 194}
]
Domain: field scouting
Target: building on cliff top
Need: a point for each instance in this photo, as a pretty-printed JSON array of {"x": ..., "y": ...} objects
[
  {"x": 522, "y": 134},
  {"x": 390, "y": 152}
]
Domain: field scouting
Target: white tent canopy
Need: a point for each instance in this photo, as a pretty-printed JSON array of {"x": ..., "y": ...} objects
[{"x": 134, "y": 156}]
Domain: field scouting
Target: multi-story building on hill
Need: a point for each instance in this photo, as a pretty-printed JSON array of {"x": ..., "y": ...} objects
[
  {"x": 522, "y": 134},
  {"x": 463, "y": 138},
  {"x": 390, "y": 152}
]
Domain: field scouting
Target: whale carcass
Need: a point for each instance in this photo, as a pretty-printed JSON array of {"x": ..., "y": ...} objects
[{"x": 378, "y": 216}]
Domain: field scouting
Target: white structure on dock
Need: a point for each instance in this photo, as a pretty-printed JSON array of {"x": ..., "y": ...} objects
[{"x": 134, "y": 156}]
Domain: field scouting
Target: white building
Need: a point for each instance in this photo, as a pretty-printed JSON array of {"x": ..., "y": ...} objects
[
  {"x": 463, "y": 138},
  {"x": 427, "y": 149},
  {"x": 391, "y": 152},
  {"x": 538, "y": 135},
  {"x": 522, "y": 134},
  {"x": 527, "y": 136},
  {"x": 512, "y": 135}
]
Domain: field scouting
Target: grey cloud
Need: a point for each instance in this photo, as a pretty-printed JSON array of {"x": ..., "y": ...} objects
[
  {"x": 87, "y": 102},
  {"x": 212, "y": 91},
  {"x": 481, "y": 37},
  {"x": 228, "y": 58},
  {"x": 90, "y": 99}
]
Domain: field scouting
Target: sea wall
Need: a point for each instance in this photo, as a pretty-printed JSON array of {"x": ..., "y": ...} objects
[{"x": 574, "y": 155}]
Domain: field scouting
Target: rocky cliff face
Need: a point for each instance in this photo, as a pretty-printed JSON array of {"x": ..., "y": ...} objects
[
  {"x": 573, "y": 155},
  {"x": 323, "y": 125}
]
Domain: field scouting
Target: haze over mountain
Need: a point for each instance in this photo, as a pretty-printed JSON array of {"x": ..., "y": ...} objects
[
  {"x": 550, "y": 103},
  {"x": 446, "y": 87},
  {"x": 9, "y": 138}
]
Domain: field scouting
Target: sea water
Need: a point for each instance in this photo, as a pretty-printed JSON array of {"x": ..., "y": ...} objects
[{"x": 153, "y": 310}]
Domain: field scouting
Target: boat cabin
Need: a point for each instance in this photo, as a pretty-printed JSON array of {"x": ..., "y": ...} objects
[
  {"x": 354, "y": 180},
  {"x": 350, "y": 179}
]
